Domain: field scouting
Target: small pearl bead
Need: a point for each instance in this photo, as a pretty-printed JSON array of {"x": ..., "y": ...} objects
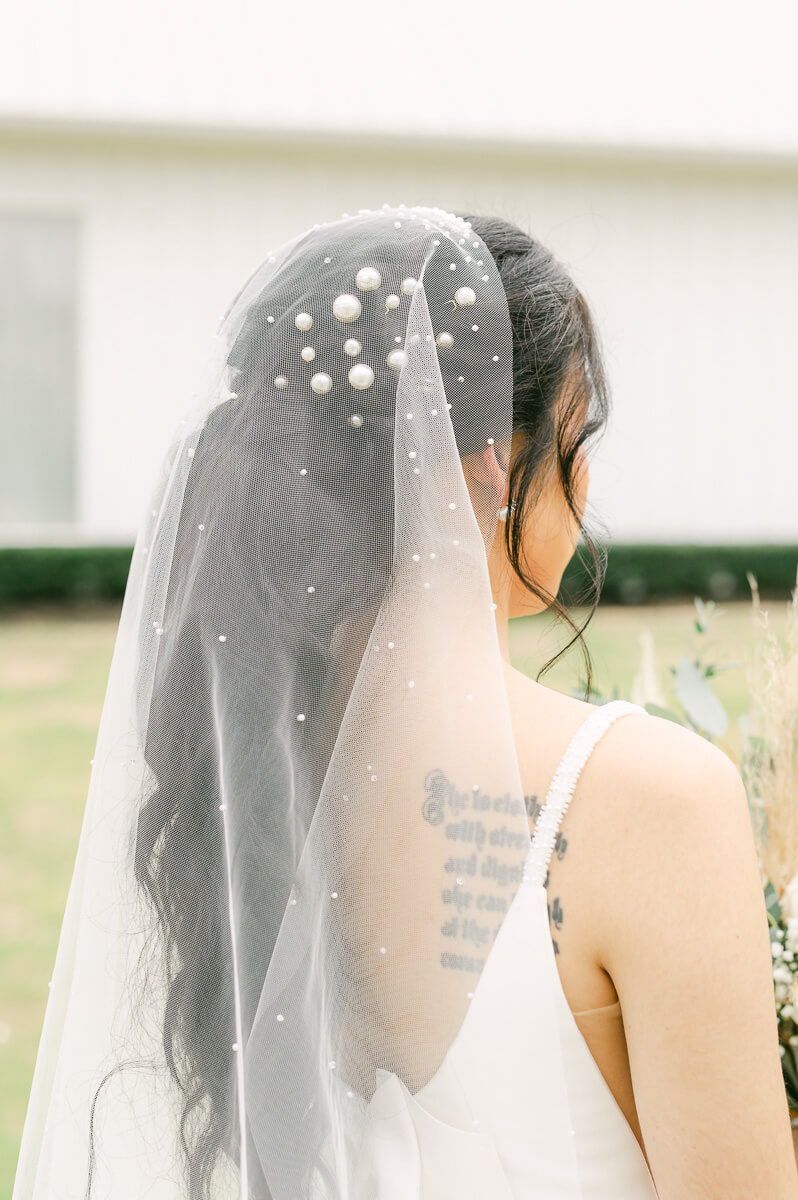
[
  {"x": 222, "y": 637},
  {"x": 190, "y": 453},
  {"x": 368, "y": 279},
  {"x": 416, "y": 558},
  {"x": 303, "y": 471},
  {"x": 280, "y": 1017},
  {"x": 445, "y": 339},
  {"x": 415, "y": 339},
  {"x": 321, "y": 382},
  {"x": 452, "y": 505},
  {"x": 490, "y": 441},
  {"x": 356, "y": 420},
  {"x": 352, "y": 347},
  {"x": 475, "y": 328},
  {"x": 347, "y": 307},
  {"x": 300, "y": 716},
  {"x": 392, "y": 301},
  {"x": 235, "y": 1045},
  {"x": 465, "y": 295},
  {"x": 396, "y": 359},
  {"x": 383, "y": 950},
  {"x": 311, "y": 588},
  {"x": 452, "y": 266},
  {"x": 361, "y": 376},
  {"x": 303, "y": 320},
  {"x": 334, "y": 895},
  {"x": 308, "y": 353},
  {"x": 280, "y": 381},
  {"x": 409, "y": 285},
  {"x": 411, "y": 683}
]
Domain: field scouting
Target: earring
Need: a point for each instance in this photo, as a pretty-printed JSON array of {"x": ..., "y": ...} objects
[{"x": 503, "y": 513}]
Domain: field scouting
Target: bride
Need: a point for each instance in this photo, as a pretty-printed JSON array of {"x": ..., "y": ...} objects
[{"x": 359, "y": 910}]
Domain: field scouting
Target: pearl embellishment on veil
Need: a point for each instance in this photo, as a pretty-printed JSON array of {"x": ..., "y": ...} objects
[
  {"x": 368, "y": 279},
  {"x": 356, "y": 420},
  {"x": 392, "y": 301},
  {"x": 347, "y": 307},
  {"x": 396, "y": 359},
  {"x": 445, "y": 339},
  {"x": 280, "y": 381},
  {"x": 352, "y": 347},
  {"x": 361, "y": 376},
  {"x": 409, "y": 285},
  {"x": 303, "y": 320},
  {"x": 321, "y": 382},
  {"x": 308, "y": 353}
]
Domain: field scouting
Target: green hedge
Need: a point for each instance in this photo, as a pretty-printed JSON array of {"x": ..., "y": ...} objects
[{"x": 636, "y": 574}]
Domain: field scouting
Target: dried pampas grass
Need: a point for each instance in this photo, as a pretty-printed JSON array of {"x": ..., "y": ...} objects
[{"x": 771, "y": 748}]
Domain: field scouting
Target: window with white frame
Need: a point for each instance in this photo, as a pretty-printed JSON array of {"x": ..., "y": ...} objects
[{"x": 38, "y": 368}]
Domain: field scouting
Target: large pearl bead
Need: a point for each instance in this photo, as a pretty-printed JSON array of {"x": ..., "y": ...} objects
[
  {"x": 361, "y": 376},
  {"x": 445, "y": 339},
  {"x": 396, "y": 359},
  {"x": 409, "y": 285},
  {"x": 347, "y": 307},
  {"x": 303, "y": 320},
  {"x": 308, "y": 353},
  {"x": 368, "y": 279},
  {"x": 321, "y": 382},
  {"x": 392, "y": 301},
  {"x": 352, "y": 347},
  {"x": 465, "y": 295}
]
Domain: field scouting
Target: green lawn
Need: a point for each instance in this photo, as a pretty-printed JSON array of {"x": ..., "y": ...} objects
[{"x": 53, "y": 671}]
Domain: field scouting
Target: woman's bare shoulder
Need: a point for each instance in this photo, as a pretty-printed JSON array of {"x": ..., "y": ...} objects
[{"x": 680, "y": 925}]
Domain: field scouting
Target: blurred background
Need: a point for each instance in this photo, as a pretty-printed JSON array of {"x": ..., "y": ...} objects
[{"x": 152, "y": 155}]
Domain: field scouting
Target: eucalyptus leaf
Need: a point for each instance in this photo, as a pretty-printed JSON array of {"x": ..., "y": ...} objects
[
  {"x": 657, "y": 710},
  {"x": 698, "y": 699},
  {"x": 772, "y": 902}
]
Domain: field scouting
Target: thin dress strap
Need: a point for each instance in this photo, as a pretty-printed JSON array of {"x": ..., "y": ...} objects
[{"x": 564, "y": 782}]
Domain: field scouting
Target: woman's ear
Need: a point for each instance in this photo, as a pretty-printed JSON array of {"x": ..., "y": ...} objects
[{"x": 486, "y": 469}]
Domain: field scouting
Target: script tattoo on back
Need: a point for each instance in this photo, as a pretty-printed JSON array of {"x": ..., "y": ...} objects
[{"x": 477, "y": 911}]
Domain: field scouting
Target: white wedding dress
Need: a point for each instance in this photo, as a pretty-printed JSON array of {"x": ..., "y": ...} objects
[{"x": 489, "y": 1124}]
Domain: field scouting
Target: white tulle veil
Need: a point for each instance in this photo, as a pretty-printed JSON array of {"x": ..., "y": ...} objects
[{"x": 305, "y": 820}]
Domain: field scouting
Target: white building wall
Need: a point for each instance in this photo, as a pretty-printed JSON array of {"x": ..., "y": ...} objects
[{"x": 690, "y": 268}]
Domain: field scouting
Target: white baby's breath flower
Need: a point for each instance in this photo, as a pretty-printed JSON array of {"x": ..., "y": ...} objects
[
  {"x": 788, "y": 1010},
  {"x": 782, "y": 974},
  {"x": 782, "y": 992}
]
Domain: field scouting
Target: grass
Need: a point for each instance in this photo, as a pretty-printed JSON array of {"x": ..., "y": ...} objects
[{"x": 53, "y": 673}]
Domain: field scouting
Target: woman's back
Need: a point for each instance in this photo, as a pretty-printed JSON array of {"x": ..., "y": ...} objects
[{"x": 661, "y": 944}]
